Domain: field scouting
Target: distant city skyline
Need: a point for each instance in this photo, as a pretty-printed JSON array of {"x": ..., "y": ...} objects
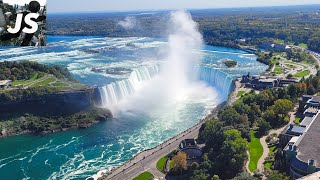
[{"x": 63, "y": 6}]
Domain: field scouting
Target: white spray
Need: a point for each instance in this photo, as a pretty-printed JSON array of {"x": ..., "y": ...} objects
[{"x": 176, "y": 81}]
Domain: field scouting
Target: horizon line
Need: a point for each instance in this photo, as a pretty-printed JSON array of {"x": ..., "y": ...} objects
[{"x": 188, "y": 9}]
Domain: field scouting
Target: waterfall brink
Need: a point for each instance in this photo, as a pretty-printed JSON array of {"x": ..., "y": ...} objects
[
  {"x": 113, "y": 93},
  {"x": 217, "y": 78}
]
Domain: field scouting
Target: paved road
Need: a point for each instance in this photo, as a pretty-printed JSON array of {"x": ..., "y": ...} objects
[
  {"x": 314, "y": 54},
  {"x": 146, "y": 160}
]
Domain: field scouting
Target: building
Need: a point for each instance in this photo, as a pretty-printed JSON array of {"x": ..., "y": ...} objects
[
  {"x": 262, "y": 82},
  {"x": 314, "y": 176},
  {"x": 271, "y": 46},
  {"x": 288, "y": 133},
  {"x": 309, "y": 101},
  {"x": 266, "y": 83},
  {"x": 302, "y": 154},
  {"x": 4, "y": 84},
  {"x": 188, "y": 143},
  {"x": 300, "y": 143},
  {"x": 191, "y": 149}
]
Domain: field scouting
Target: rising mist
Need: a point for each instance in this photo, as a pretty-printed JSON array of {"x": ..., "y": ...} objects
[{"x": 177, "y": 80}]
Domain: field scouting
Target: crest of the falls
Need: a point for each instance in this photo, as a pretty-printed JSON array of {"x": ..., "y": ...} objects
[
  {"x": 113, "y": 93},
  {"x": 222, "y": 81}
]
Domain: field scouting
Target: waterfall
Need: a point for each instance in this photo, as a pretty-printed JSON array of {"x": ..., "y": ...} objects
[
  {"x": 112, "y": 93},
  {"x": 217, "y": 78}
]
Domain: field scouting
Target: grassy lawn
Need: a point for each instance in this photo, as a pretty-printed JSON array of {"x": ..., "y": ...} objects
[
  {"x": 45, "y": 82},
  {"x": 297, "y": 121},
  {"x": 22, "y": 82},
  {"x": 279, "y": 41},
  {"x": 278, "y": 70},
  {"x": 302, "y": 73},
  {"x": 144, "y": 176},
  {"x": 291, "y": 66},
  {"x": 59, "y": 84},
  {"x": 240, "y": 93},
  {"x": 161, "y": 163},
  {"x": 272, "y": 151},
  {"x": 303, "y": 45},
  {"x": 268, "y": 165},
  {"x": 255, "y": 151},
  {"x": 275, "y": 60}
]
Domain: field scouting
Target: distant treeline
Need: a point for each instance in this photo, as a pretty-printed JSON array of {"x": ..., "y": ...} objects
[
  {"x": 296, "y": 25},
  {"x": 28, "y": 69}
]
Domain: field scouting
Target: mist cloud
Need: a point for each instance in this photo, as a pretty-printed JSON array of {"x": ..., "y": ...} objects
[
  {"x": 177, "y": 81},
  {"x": 128, "y": 23}
]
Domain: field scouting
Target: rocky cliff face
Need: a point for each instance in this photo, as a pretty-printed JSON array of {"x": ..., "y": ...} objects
[{"x": 62, "y": 103}]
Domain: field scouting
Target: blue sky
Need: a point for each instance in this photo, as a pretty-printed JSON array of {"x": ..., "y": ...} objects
[{"x": 125, "y": 5}]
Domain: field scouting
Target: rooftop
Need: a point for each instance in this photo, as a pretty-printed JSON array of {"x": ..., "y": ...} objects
[
  {"x": 306, "y": 121},
  {"x": 308, "y": 143},
  {"x": 311, "y": 110},
  {"x": 267, "y": 80},
  {"x": 315, "y": 99},
  {"x": 315, "y": 175},
  {"x": 4, "y": 82},
  {"x": 190, "y": 142},
  {"x": 295, "y": 130}
]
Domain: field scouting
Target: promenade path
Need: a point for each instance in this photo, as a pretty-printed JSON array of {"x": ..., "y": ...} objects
[{"x": 147, "y": 160}]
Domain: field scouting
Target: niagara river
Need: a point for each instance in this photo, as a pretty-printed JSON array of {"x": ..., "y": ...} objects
[{"x": 122, "y": 68}]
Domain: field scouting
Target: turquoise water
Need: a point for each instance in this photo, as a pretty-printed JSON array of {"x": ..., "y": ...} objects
[{"x": 78, "y": 154}]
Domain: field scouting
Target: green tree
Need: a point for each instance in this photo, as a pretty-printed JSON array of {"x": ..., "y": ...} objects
[
  {"x": 215, "y": 177},
  {"x": 244, "y": 176},
  {"x": 231, "y": 117},
  {"x": 282, "y": 107},
  {"x": 264, "y": 127},
  {"x": 275, "y": 175},
  {"x": 233, "y": 153},
  {"x": 180, "y": 162}
]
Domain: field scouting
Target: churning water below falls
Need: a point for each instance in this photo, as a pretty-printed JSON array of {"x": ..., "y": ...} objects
[{"x": 123, "y": 68}]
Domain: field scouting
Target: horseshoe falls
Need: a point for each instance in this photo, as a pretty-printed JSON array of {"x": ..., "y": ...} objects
[
  {"x": 217, "y": 78},
  {"x": 123, "y": 69},
  {"x": 114, "y": 92}
]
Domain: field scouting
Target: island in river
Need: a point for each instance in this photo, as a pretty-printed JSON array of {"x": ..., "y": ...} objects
[
  {"x": 229, "y": 63},
  {"x": 36, "y": 98}
]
